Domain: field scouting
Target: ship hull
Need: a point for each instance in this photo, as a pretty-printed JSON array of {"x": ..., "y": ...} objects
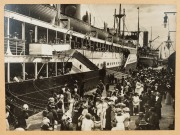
[
  {"x": 147, "y": 61},
  {"x": 35, "y": 93}
]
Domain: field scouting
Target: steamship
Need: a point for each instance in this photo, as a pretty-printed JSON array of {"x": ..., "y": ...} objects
[
  {"x": 46, "y": 46},
  {"x": 147, "y": 56}
]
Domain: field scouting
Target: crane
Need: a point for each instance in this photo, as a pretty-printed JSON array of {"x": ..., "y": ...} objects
[
  {"x": 159, "y": 46},
  {"x": 150, "y": 41}
]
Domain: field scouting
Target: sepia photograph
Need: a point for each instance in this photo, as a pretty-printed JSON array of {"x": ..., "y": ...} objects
[{"x": 89, "y": 67}]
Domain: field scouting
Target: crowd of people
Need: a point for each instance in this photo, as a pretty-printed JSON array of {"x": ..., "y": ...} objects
[{"x": 140, "y": 94}]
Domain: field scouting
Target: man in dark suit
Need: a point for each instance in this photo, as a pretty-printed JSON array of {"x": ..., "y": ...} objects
[
  {"x": 158, "y": 104},
  {"x": 153, "y": 120},
  {"x": 108, "y": 118}
]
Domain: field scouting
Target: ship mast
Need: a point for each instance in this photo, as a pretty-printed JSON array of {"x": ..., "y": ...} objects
[
  {"x": 119, "y": 16},
  {"x": 151, "y": 38},
  {"x": 120, "y": 20},
  {"x": 123, "y": 22},
  {"x": 138, "y": 28},
  {"x": 114, "y": 19}
]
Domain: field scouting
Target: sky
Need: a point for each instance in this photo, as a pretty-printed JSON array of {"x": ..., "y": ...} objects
[{"x": 149, "y": 16}]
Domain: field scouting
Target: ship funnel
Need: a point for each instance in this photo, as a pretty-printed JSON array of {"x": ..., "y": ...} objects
[
  {"x": 78, "y": 11},
  {"x": 145, "y": 39}
]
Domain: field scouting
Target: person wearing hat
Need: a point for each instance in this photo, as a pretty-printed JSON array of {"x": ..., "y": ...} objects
[
  {"x": 153, "y": 120},
  {"x": 139, "y": 88},
  {"x": 114, "y": 97},
  {"x": 23, "y": 115},
  {"x": 99, "y": 106},
  {"x": 85, "y": 110},
  {"x": 113, "y": 113},
  {"x": 7, "y": 115},
  {"x": 136, "y": 103},
  {"x": 108, "y": 125},
  {"x": 76, "y": 95},
  {"x": 52, "y": 112},
  {"x": 127, "y": 118},
  {"x": 158, "y": 104},
  {"x": 103, "y": 114},
  {"x": 147, "y": 112},
  {"x": 67, "y": 98},
  {"x": 137, "y": 121},
  {"x": 101, "y": 85},
  {"x": 119, "y": 119},
  {"x": 66, "y": 123},
  {"x": 98, "y": 91},
  {"x": 45, "y": 124},
  {"x": 87, "y": 123},
  {"x": 97, "y": 124}
]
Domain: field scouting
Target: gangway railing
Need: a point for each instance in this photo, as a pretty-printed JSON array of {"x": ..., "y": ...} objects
[{"x": 14, "y": 46}]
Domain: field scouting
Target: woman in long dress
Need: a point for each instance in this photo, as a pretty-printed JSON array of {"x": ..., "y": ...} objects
[
  {"x": 139, "y": 88},
  {"x": 136, "y": 103},
  {"x": 99, "y": 107},
  {"x": 87, "y": 123},
  {"x": 103, "y": 114}
]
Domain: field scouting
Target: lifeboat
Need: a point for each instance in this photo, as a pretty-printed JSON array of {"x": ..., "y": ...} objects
[
  {"x": 77, "y": 25},
  {"x": 102, "y": 34},
  {"x": 115, "y": 39},
  {"x": 44, "y": 12}
]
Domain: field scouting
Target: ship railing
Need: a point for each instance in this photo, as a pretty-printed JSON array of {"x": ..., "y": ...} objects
[{"x": 14, "y": 46}]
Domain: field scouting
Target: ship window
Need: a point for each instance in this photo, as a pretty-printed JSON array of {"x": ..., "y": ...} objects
[
  {"x": 98, "y": 65},
  {"x": 108, "y": 64}
]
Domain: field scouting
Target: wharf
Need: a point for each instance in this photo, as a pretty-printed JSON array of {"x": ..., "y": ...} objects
[{"x": 167, "y": 116}]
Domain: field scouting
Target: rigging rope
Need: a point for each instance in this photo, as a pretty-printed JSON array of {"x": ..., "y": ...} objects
[
  {"x": 39, "y": 90},
  {"x": 31, "y": 98},
  {"x": 24, "y": 100}
]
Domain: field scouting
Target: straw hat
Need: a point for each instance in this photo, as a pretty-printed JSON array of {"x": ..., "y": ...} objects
[
  {"x": 25, "y": 107},
  {"x": 61, "y": 96},
  {"x": 51, "y": 100},
  {"x": 75, "y": 89},
  {"x": 126, "y": 109}
]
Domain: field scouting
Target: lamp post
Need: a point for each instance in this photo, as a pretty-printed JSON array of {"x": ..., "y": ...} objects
[{"x": 166, "y": 20}]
